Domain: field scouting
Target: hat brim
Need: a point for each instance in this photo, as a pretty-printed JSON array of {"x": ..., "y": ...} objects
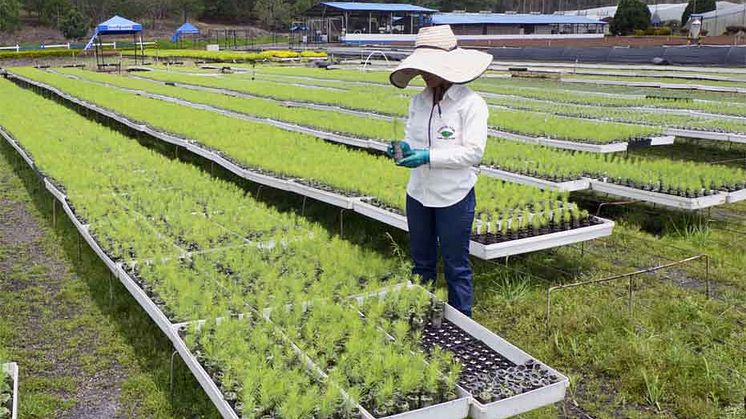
[{"x": 458, "y": 66}]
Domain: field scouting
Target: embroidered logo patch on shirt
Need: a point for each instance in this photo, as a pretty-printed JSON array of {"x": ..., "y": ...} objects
[{"x": 446, "y": 133}]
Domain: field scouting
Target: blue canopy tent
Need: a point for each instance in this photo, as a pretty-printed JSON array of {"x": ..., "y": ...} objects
[
  {"x": 185, "y": 29},
  {"x": 117, "y": 25}
]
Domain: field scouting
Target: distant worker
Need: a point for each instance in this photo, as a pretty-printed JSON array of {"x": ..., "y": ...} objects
[{"x": 445, "y": 137}]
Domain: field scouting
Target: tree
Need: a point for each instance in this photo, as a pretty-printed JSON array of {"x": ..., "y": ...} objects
[
  {"x": 9, "y": 10},
  {"x": 74, "y": 25},
  {"x": 188, "y": 8},
  {"x": 697, "y": 6},
  {"x": 630, "y": 15}
]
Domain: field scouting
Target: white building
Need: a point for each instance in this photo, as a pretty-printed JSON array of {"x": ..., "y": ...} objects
[{"x": 666, "y": 12}]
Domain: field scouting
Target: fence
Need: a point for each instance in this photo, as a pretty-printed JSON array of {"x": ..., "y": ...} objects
[{"x": 112, "y": 45}]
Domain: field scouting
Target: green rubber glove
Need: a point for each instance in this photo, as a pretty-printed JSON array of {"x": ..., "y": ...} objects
[
  {"x": 405, "y": 148},
  {"x": 418, "y": 157}
]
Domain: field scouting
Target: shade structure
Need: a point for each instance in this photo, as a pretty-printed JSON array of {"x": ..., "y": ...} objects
[
  {"x": 186, "y": 28},
  {"x": 118, "y": 25}
]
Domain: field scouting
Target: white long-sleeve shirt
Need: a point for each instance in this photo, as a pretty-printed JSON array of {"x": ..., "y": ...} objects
[{"x": 458, "y": 135}]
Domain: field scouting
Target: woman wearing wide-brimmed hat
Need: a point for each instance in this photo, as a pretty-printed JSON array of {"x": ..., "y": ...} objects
[{"x": 445, "y": 137}]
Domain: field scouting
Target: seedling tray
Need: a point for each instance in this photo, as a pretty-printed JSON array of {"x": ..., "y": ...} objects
[
  {"x": 381, "y": 214},
  {"x": 569, "y": 186},
  {"x": 12, "y": 370},
  {"x": 454, "y": 409},
  {"x": 331, "y": 198},
  {"x": 567, "y": 145},
  {"x": 667, "y": 200},
  {"x": 736, "y": 196},
  {"x": 543, "y": 241},
  {"x": 520, "y": 403},
  {"x": 708, "y": 135},
  {"x": 204, "y": 379},
  {"x": 507, "y": 407}
]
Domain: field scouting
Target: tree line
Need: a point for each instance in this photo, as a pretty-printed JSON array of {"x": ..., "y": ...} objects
[{"x": 75, "y": 17}]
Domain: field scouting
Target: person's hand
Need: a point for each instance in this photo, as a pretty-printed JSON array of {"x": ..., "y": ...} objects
[
  {"x": 417, "y": 158},
  {"x": 406, "y": 150}
]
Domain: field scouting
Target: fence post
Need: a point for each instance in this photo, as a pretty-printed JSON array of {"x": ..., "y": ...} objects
[
  {"x": 18, "y": 48},
  {"x": 68, "y": 45},
  {"x": 115, "y": 44}
]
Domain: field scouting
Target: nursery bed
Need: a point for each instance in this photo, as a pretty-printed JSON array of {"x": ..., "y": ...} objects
[
  {"x": 11, "y": 369},
  {"x": 478, "y": 335},
  {"x": 589, "y": 147},
  {"x": 569, "y": 186},
  {"x": 708, "y": 135},
  {"x": 602, "y": 228},
  {"x": 667, "y": 200},
  {"x": 396, "y": 220},
  {"x": 517, "y": 404},
  {"x": 673, "y": 86}
]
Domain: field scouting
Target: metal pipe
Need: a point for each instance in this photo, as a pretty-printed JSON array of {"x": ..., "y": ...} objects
[{"x": 629, "y": 275}]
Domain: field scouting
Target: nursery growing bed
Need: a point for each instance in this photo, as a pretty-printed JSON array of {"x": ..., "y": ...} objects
[
  {"x": 372, "y": 211},
  {"x": 672, "y": 86},
  {"x": 11, "y": 370},
  {"x": 519, "y": 403},
  {"x": 569, "y": 186},
  {"x": 589, "y": 147},
  {"x": 667, "y": 200},
  {"x": 708, "y": 135},
  {"x": 461, "y": 332},
  {"x": 599, "y": 227}
]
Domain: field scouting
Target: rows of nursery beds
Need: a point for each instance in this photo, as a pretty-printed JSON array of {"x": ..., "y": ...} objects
[
  {"x": 678, "y": 184},
  {"x": 273, "y": 315},
  {"x": 351, "y": 179}
]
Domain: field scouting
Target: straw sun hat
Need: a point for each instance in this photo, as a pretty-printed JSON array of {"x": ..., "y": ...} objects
[{"x": 435, "y": 52}]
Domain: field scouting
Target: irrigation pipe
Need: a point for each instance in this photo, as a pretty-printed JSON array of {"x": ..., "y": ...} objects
[{"x": 630, "y": 276}]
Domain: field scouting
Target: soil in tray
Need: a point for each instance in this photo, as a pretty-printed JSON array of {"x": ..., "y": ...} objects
[
  {"x": 6, "y": 395},
  {"x": 486, "y": 374},
  {"x": 376, "y": 203},
  {"x": 494, "y": 238}
]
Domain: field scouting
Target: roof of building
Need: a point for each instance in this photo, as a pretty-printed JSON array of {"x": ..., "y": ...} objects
[
  {"x": 375, "y": 7},
  {"x": 510, "y": 19},
  {"x": 724, "y": 11}
]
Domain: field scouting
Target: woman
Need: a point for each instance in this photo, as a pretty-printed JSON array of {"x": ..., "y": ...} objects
[{"x": 445, "y": 136}]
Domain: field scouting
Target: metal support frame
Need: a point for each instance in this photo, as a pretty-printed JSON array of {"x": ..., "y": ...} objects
[
  {"x": 171, "y": 375},
  {"x": 630, "y": 276}
]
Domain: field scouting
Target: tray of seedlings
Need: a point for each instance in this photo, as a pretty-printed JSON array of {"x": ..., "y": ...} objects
[
  {"x": 686, "y": 199},
  {"x": 568, "y": 145},
  {"x": 736, "y": 195},
  {"x": 378, "y": 210},
  {"x": 707, "y": 135},
  {"x": 387, "y": 377},
  {"x": 552, "y": 224},
  {"x": 553, "y": 182},
  {"x": 9, "y": 391},
  {"x": 501, "y": 379},
  {"x": 322, "y": 192},
  {"x": 677, "y": 184}
]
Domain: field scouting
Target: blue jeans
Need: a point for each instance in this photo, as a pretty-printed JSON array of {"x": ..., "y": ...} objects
[{"x": 449, "y": 227}]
